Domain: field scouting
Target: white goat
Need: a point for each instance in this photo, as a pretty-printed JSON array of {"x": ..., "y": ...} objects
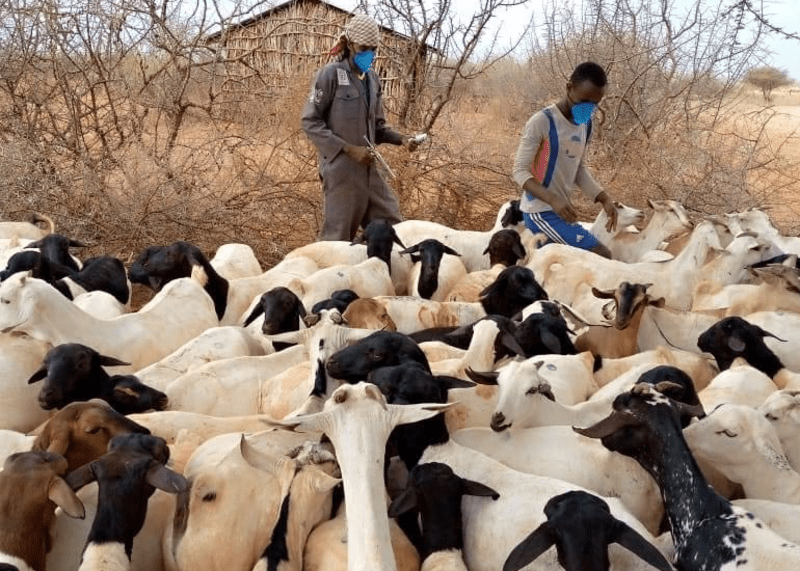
[
  {"x": 739, "y": 442},
  {"x": 558, "y": 452},
  {"x": 179, "y": 312},
  {"x": 213, "y": 344},
  {"x": 782, "y": 409}
]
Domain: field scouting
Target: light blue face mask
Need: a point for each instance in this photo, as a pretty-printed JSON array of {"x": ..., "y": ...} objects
[
  {"x": 363, "y": 60},
  {"x": 582, "y": 112}
]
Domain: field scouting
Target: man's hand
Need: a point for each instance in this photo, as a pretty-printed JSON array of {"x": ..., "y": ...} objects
[
  {"x": 564, "y": 209},
  {"x": 411, "y": 144},
  {"x": 611, "y": 210},
  {"x": 359, "y": 154}
]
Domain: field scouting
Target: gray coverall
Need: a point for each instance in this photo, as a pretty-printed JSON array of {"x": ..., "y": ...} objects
[{"x": 337, "y": 113}]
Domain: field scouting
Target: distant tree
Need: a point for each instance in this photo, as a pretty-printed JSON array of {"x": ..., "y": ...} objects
[{"x": 767, "y": 78}]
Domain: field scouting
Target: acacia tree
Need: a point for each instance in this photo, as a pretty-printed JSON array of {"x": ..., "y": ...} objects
[{"x": 766, "y": 79}]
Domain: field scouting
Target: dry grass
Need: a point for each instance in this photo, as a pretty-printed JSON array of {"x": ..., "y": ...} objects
[{"x": 250, "y": 176}]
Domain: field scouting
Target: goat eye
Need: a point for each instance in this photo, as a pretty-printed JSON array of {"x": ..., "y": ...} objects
[
  {"x": 4, "y": 300},
  {"x": 727, "y": 433},
  {"x": 532, "y": 391},
  {"x": 771, "y": 416},
  {"x": 210, "y": 497}
]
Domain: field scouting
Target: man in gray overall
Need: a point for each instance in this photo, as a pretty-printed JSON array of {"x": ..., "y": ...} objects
[{"x": 344, "y": 107}]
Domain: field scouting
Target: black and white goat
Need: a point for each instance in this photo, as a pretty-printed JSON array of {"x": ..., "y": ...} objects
[
  {"x": 56, "y": 248},
  {"x": 158, "y": 265},
  {"x": 734, "y": 337},
  {"x": 581, "y": 527},
  {"x": 708, "y": 532},
  {"x": 433, "y": 275},
  {"x": 514, "y": 289},
  {"x": 127, "y": 475},
  {"x": 380, "y": 349},
  {"x": 74, "y": 372},
  {"x": 282, "y": 311},
  {"x": 435, "y": 492}
]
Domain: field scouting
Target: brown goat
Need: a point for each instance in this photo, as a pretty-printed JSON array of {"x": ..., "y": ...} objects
[
  {"x": 30, "y": 489},
  {"x": 81, "y": 430}
]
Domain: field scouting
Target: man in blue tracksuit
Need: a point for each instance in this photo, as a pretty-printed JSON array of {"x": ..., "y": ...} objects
[{"x": 550, "y": 163}]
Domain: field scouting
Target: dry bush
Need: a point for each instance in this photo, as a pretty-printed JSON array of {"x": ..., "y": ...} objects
[{"x": 139, "y": 146}]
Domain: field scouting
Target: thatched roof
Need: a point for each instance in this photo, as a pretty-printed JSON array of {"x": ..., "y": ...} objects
[{"x": 217, "y": 36}]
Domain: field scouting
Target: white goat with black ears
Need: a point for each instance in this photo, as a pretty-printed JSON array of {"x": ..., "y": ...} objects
[
  {"x": 435, "y": 491},
  {"x": 127, "y": 476},
  {"x": 493, "y": 528},
  {"x": 433, "y": 274}
]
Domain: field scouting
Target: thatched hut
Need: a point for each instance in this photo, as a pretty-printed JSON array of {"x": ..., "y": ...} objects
[{"x": 265, "y": 52}]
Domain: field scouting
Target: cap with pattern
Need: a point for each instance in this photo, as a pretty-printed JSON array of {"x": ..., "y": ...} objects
[{"x": 363, "y": 30}]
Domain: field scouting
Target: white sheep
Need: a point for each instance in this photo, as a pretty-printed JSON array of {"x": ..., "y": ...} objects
[{"x": 369, "y": 278}]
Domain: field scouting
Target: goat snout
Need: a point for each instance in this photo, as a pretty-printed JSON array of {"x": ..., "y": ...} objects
[{"x": 498, "y": 422}]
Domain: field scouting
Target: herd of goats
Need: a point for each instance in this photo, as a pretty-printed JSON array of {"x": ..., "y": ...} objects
[{"x": 421, "y": 398}]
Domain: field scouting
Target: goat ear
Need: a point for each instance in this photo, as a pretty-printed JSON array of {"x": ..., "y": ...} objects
[
  {"x": 408, "y": 413},
  {"x": 519, "y": 250},
  {"x": 76, "y": 244},
  {"x": 112, "y": 362},
  {"x": 453, "y": 382},
  {"x": 483, "y": 378},
  {"x": 407, "y": 500},
  {"x": 551, "y": 341},
  {"x": 471, "y": 488},
  {"x": 161, "y": 477},
  {"x": 511, "y": 343},
  {"x": 539, "y": 541},
  {"x": 301, "y": 310},
  {"x": 397, "y": 240},
  {"x": 412, "y": 250},
  {"x": 660, "y": 302},
  {"x": 323, "y": 482},
  {"x": 603, "y": 294},
  {"x": 628, "y": 538},
  {"x": 63, "y": 496},
  {"x": 38, "y": 375},
  {"x": 54, "y": 441},
  {"x": 449, "y": 250},
  {"x": 257, "y": 310},
  {"x": 487, "y": 290},
  {"x": 79, "y": 477},
  {"x": 764, "y": 333}
]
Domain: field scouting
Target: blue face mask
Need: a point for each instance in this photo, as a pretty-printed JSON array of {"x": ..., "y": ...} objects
[
  {"x": 363, "y": 60},
  {"x": 582, "y": 112}
]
